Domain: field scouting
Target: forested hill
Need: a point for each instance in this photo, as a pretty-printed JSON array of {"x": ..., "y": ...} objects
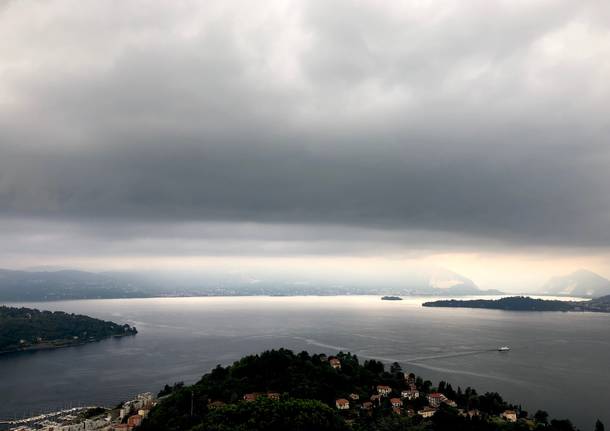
[
  {"x": 519, "y": 303},
  {"x": 30, "y": 329},
  {"x": 525, "y": 303},
  {"x": 280, "y": 390}
]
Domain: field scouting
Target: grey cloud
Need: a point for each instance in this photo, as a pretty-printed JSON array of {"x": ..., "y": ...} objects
[
  {"x": 539, "y": 199},
  {"x": 37, "y": 240},
  {"x": 479, "y": 120}
]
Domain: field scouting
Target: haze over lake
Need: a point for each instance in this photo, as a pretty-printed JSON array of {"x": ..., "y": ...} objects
[{"x": 558, "y": 362}]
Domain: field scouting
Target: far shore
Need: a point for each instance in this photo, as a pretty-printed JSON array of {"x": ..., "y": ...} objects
[
  {"x": 304, "y": 295},
  {"x": 60, "y": 344}
]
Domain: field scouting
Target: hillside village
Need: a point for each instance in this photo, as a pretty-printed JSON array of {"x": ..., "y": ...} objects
[
  {"x": 411, "y": 398},
  {"x": 335, "y": 392},
  {"x": 362, "y": 395}
]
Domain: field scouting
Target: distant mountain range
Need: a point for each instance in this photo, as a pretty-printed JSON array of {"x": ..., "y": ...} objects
[
  {"x": 64, "y": 284},
  {"x": 442, "y": 281},
  {"x": 50, "y": 284},
  {"x": 582, "y": 283},
  {"x": 43, "y": 284}
]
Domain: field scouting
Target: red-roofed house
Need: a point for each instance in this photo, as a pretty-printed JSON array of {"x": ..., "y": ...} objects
[
  {"x": 335, "y": 363},
  {"x": 252, "y": 396},
  {"x": 342, "y": 404},
  {"x": 509, "y": 415},
  {"x": 134, "y": 420},
  {"x": 396, "y": 402}
]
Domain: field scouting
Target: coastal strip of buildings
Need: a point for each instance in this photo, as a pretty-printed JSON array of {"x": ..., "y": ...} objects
[{"x": 127, "y": 417}]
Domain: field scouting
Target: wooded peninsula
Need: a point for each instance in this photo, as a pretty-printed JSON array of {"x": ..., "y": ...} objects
[{"x": 30, "y": 329}]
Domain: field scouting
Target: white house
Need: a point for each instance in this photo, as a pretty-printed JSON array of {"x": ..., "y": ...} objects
[
  {"x": 410, "y": 394},
  {"x": 435, "y": 399},
  {"x": 427, "y": 412},
  {"x": 384, "y": 390}
]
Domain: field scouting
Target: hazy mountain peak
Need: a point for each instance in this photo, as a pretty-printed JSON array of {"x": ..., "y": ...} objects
[
  {"x": 582, "y": 282},
  {"x": 442, "y": 278},
  {"x": 45, "y": 268},
  {"x": 582, "y": 272},
  {"x": 439, "y": 280}
]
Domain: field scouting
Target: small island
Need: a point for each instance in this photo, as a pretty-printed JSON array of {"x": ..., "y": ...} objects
[
  {"x": 525, "y": 303},
  {"x": 391, "y": 298},
  {"x": 26, "y": 329}
]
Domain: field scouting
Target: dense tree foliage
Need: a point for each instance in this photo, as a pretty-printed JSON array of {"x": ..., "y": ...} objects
[
  {"x": 308, "y": 386},
  {"x": 267, "y": 415},
  {"x": 541, "y": 417},
  {"x": 517, "y": 303},
  {"x": 525, "y": 303},
  {"x": 22, "y": 328},
  {"x": 167, "y": 389}
]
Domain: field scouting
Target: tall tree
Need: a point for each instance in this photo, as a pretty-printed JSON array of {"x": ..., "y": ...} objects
[{"x": 541, "y": 417}]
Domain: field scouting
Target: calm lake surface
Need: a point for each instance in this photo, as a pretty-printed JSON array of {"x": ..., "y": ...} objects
[{"x": 559, "y": 362}]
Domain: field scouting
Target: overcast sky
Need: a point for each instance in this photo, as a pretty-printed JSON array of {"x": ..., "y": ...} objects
[{"x": 468, "y": 134}]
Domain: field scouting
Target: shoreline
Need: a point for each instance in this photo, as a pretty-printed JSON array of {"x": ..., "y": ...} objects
[
  {"x": 405, "y": 296},
  {"x": 51, "y": 346},
  {"x": 525, "y": 304}
]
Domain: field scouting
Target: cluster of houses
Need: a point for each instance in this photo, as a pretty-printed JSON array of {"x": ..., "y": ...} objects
[
  {"x": 133, "y": 412},
  {"x": 434, "y": 400},
  {"x": 382, "y": 392},
  {"x": 127, "y": 418}
]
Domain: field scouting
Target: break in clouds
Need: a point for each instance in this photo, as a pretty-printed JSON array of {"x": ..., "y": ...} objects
[{"x": 303, "y": 126}]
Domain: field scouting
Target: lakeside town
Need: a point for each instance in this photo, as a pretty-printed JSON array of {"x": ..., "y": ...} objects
[{"x": 127, "y": 416}]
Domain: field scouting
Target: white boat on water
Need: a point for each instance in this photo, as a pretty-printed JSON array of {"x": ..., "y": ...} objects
[{"x": 503, "y": 349}]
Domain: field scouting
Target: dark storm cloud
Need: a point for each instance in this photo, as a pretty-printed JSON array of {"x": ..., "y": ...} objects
[{"x": 484, "y": 120}]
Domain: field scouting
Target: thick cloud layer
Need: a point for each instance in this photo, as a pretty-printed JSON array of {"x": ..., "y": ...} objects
[{"x": 486, "y": 121}]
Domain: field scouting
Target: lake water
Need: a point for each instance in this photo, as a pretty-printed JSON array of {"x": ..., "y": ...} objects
[{"x": 559, "y": 362}]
